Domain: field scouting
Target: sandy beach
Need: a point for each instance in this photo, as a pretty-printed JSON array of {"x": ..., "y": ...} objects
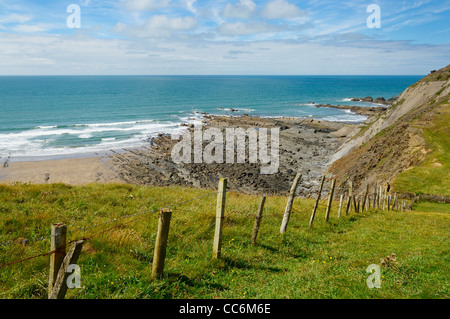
[
  {"x": 306, "y": 146},
  {"x": 73, "y": 171}
]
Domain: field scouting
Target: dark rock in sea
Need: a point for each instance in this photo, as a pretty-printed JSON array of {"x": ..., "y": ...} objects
[
  {"x": 355, "y": 99},
  {"x": 392, "y": 100},
  {"x": 380, "y": 100},
  {"x": 367, "y": 99}
]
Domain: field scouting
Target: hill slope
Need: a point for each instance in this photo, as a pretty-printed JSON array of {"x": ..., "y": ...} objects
[{"x": 407, "y": 146}]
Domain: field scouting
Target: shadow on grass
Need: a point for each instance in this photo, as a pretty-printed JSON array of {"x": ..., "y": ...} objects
[
  {"x": 241, "y": 264},
  {"x": 171, "y": 278}
]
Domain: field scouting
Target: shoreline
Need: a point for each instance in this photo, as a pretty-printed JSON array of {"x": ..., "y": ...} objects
[{"x": 305, "y": 145}]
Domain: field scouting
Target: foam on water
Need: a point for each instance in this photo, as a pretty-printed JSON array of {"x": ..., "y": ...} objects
[
  {"x": 72, "y": 115},
  {"x": 82, "y": 138}
]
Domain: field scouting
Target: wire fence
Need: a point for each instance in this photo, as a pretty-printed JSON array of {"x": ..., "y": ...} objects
[
  {"x": 127, "y": 219},
  {"x": 110, "y": 221}
]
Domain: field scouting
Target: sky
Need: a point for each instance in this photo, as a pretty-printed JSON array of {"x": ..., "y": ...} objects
[{"x": 223, "y": 37}]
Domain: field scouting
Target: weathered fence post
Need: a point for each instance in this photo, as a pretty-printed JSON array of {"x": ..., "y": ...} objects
[
  {"x": 364, "y": 203},
  {"x": 311, "y": 220},
  {"x": 374, "y": 202},
  {"x": 358, "y": 203},
  {"x": 380, "y": 197},
  {"x": 349, "y": 200},
  {"x": 258, "y": 218},
  {"x": 220, "y": 211},
  {"x": 330, "y": 200},
  {"x": 60, "y": 287},
  {"x": 58, "y": 245},
  {"x": 355, "y": 206},
  {"x": 340, "y": 205},
  {"x": 287, "y": 212},
  {"x": 162, "y": 236}
]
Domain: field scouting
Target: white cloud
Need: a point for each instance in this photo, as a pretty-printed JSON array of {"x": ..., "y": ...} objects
[
  {"x": 242, "y": 10},
  {"x": 48, "y": 54},
  {"x": 240, "y": 28},
  {"x": 281, "y": 9},
  {"x": 27, "y": 28},
  {"x": 157, "y": 26},
  {"x": 15, "y": 18},
  {"x": 163, "y": 22},
  {"x": 142, "y": 5},
  {"x": 190, "y": 5}
]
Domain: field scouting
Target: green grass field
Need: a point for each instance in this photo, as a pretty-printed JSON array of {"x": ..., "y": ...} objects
[
  {"x": 328, "y": 261},
  {"x": 432, "y": 176}
]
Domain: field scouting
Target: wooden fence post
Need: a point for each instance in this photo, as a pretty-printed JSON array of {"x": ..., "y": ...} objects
[
  {"x": 258, "y": 218},
  {"x": 287, "y": 212},
  {"x": 349, "y": 200},
  {"x": 159, "y": 255},
  {"x": 357, "y": 198},
  {"x": 355, "y": 206},
  {"x": 364, "y": 203},
  {"x": 220, "y": 212},
  {"x": 394, "y": 204},
  {"x": 375, "y": 196},
  {"x": 57, "y": 244},
  {"x": 340, "y": 205},
  {"x": 311, "y": 220},
  {"x": 60, "y": 287},
  {"x": 330, "y": 200}
]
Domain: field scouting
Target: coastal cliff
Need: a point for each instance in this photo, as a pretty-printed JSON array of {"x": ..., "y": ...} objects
[{"x": 412, "y": 133}]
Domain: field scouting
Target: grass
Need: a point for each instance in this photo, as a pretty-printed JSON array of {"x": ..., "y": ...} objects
[
  {"x": 328, "y": 261},
  {"x": 432, "y": 176}
]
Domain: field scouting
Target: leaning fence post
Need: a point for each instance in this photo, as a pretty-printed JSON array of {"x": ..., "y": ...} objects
[
  {"x": 287, "y": 211},
  {"x": 330, "y": 200},
  {"x": 162, "y": 236},
  {"x": 311, "y": 220},
  {"x": 258, "y": 218},
  {"x": 220, "y": 211},
  {"x": 349, "y": 204},
  {"x": 58, "y": 245},
  {"x": 71, "y": 258}
]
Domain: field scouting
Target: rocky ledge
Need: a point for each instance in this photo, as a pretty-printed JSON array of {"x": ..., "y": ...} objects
[{"x": 378, "y": 100}]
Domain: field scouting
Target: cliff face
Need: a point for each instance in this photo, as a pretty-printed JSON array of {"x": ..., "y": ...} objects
[{"x": 394, "y": 142}]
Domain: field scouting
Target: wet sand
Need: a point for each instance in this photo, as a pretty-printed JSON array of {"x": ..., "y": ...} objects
[{"x": 73, "y": 171}]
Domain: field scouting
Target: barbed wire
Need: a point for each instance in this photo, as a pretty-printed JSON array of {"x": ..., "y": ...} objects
[
  {"x": 37, "y": 239},
  {"x": 136, "y": 215}
]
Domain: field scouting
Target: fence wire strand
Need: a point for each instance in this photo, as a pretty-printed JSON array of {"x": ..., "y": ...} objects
[{"x": 136, "y": 215}]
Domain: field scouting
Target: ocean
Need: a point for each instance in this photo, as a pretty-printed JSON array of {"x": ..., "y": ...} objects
[{"x": 55, "y": 116}]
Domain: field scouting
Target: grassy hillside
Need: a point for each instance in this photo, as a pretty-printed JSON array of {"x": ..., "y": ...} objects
[
  {"x": 433, "y": 174},
  {"x": 328, "y": 261}
]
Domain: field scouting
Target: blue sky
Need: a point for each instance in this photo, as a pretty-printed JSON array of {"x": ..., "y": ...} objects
[{"x": 285, "y": 37}]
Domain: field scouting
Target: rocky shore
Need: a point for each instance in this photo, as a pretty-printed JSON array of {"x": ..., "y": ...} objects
[
  {"x": 378, "y": 100},
  {"x": 360, "y": 110},
  {"x": 306, "y": 145}
]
